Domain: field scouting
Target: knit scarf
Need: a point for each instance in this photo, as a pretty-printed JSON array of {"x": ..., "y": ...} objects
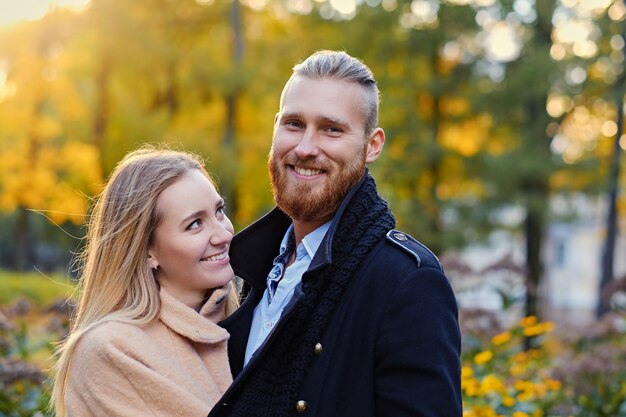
[{"x": 272, "y": 389}]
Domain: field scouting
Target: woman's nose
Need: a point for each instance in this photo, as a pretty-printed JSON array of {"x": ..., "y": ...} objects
[{"x": 222, "y": 234}]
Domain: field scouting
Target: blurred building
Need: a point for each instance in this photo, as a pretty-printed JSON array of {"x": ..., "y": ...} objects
[{"x": 490, "y": 276}]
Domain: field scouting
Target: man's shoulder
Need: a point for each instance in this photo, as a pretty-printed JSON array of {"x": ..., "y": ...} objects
[{"x": 419, "y": 254}]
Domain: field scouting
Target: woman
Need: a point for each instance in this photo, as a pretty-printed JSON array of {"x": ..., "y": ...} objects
[{"x": 155, "y": 280}]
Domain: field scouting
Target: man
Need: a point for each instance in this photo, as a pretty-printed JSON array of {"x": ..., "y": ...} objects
[{"x": 345, "y": 316}]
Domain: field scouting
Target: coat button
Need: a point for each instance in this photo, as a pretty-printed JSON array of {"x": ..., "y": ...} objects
[
  {"x": 318, "y": 349},
  {"x": 301, "y": 406}
]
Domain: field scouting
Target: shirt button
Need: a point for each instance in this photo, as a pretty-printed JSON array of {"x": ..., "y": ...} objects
[
  {"x": 268, "y": 325},
  {"x": 301, "y": 406},
  {"x": 318, "y": 349}
]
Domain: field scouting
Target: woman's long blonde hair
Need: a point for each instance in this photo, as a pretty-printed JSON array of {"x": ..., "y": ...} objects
[{"x": 116, "y": 281}]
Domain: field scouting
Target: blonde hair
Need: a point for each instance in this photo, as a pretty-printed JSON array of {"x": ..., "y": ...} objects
[
  {"x": 116, "y": 281},
  {"x": 339, "y": 65}
]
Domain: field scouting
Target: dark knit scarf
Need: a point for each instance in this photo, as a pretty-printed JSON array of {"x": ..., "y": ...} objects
[{"x": 272, "y": 388}]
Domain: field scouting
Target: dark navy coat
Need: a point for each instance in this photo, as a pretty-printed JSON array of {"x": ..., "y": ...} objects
[{"x": 393, "y": 344}]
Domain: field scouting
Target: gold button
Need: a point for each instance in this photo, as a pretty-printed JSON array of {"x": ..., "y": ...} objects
[
  {"x": 301, "y": 406},
  {"x": 318, "y": 349}
]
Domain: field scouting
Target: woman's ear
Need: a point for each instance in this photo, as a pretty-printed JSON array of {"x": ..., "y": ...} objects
[
  {"x": 375, "y": 144},
  {"x": 152, "y": 261}
]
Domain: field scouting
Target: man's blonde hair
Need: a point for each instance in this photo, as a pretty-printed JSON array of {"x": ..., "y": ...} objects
[{"x": 339, "y": 65}]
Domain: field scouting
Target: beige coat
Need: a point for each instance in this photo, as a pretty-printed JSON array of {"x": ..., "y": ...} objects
[{"x": 175, "y": 366}]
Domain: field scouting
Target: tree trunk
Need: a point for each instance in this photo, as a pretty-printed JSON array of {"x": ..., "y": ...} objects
[
  {"x": 22, "y": 239},
  {"x": 101, "y": 111},
  {"x": 534, "y": 228},
  {"x": 608, "y": 253},
  {"x": 230, "y": 165}
]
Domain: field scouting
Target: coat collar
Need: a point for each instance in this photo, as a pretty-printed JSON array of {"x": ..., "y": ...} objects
[
  {"x": 254, "y": 248},
  {"x": 199, "y": 327}
]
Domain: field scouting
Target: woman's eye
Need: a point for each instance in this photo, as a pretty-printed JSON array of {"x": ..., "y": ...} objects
[
  {"x": 221, "y": 211},
  {"x": 194, "y": 224}
]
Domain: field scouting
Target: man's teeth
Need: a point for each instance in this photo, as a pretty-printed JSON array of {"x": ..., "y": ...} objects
[
  {"x": 307, "y": 172},
  {"x": 217, "y": 257}
]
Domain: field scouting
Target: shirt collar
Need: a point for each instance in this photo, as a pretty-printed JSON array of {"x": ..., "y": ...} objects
[{"x": 311, "y": 242}]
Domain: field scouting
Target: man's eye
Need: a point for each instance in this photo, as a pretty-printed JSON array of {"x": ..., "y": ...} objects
[
  {"x": 334, "y": 130},
  {"x": 293, "y": 123}
]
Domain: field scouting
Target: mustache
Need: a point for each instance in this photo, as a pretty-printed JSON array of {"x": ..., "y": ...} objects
[{"x": 311, "y": 162}]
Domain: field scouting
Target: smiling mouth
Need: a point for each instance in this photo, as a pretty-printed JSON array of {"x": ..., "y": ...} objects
[
  {"x": 306, "y": 172},
  {"x": 217, "y": 257}
]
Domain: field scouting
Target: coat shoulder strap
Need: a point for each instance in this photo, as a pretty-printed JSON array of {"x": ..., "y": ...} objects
[{"x": 418, "y": 251}]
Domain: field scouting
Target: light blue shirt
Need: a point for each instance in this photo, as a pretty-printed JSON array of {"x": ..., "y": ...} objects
[{"x": 276, "y": 297}]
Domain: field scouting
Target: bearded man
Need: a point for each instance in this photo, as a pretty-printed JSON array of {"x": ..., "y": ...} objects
[{"x": 345, "y": 315}]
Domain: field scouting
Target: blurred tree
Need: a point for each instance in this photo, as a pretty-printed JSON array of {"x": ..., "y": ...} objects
[
  {"x": 43, "y": 165},
  {"x": 523, "y": 172},
  {"x": 617, "y": 44}
]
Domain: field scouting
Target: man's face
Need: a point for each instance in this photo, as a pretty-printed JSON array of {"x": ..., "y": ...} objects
[{"x": 319, "y": 149}]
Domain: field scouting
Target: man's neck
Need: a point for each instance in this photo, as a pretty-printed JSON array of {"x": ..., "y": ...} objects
[{"x": 302, "y": 228}]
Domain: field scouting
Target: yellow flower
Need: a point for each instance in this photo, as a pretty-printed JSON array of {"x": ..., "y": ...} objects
[
  {"x": 508, "y": 401},
  {"x": 467, "y": 372},
  {"x": 525, "y": 396},
  {"x": 19, "y": 388},
  {"x": 528, "y": 321},
  {"x": 537, "y": 413},
  {"x": 483, "y": 357},
  {"x": 491, "y": 383},
  {"x": 537, "y": 329},
  {"x": 501, "y": 338},
  {"x": 471, "y": 387},
  {"x": 522, "y": 385},
  {"x": 517, "y": 369},
  {"x": 520, "y": 414}
]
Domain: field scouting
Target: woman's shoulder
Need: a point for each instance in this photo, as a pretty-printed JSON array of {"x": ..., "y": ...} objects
[{"x": 110, "y": 336}]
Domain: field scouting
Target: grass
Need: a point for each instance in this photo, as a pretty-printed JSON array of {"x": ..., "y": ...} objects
[{"x": 37, "y": 287}]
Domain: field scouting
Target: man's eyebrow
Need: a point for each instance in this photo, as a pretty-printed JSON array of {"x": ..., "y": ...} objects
[
  {"x": 290, "y": 115},
  {"x": 331, "y": 120}
]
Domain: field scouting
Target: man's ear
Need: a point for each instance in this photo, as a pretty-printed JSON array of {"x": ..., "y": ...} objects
[{"x": 375, "y": 145}]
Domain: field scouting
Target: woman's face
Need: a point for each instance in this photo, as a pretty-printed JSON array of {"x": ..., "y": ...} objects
[{"x": 191, "y": 242}]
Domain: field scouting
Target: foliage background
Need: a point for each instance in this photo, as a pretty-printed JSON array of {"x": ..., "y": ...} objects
[{"x": 488, "y": 105}]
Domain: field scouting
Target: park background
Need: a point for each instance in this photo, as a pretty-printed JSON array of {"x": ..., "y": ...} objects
[{"x": 504, "y": 143}]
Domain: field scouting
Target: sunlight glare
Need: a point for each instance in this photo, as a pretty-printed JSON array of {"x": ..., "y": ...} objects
[
  {"x": 596, "y": 6},
  {"x": 346, "y": 7},
  {"x": 609, "y": 128},
  {"x": 617, "y": 11},
  {"x": 502, "y": 43},
  {"x": 425, "y": 11},
  {"x": 575, "y": 75},
  {"x": 585, "y": 49},
  {"x": 12, "y": 11},
  {"x": 71, "y": 4},
  {"x": 300, "y": 6},
  {"x": 256, "y": 5},
  {"x": 557, "y": 51},
  {"x": 573, "y": 31}
]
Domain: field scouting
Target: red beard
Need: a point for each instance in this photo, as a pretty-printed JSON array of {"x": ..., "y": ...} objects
[{"x": 308, "y": 202}]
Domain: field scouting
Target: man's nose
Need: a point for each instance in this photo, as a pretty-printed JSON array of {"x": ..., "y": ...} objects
[{"x": 307, "y": 146}]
